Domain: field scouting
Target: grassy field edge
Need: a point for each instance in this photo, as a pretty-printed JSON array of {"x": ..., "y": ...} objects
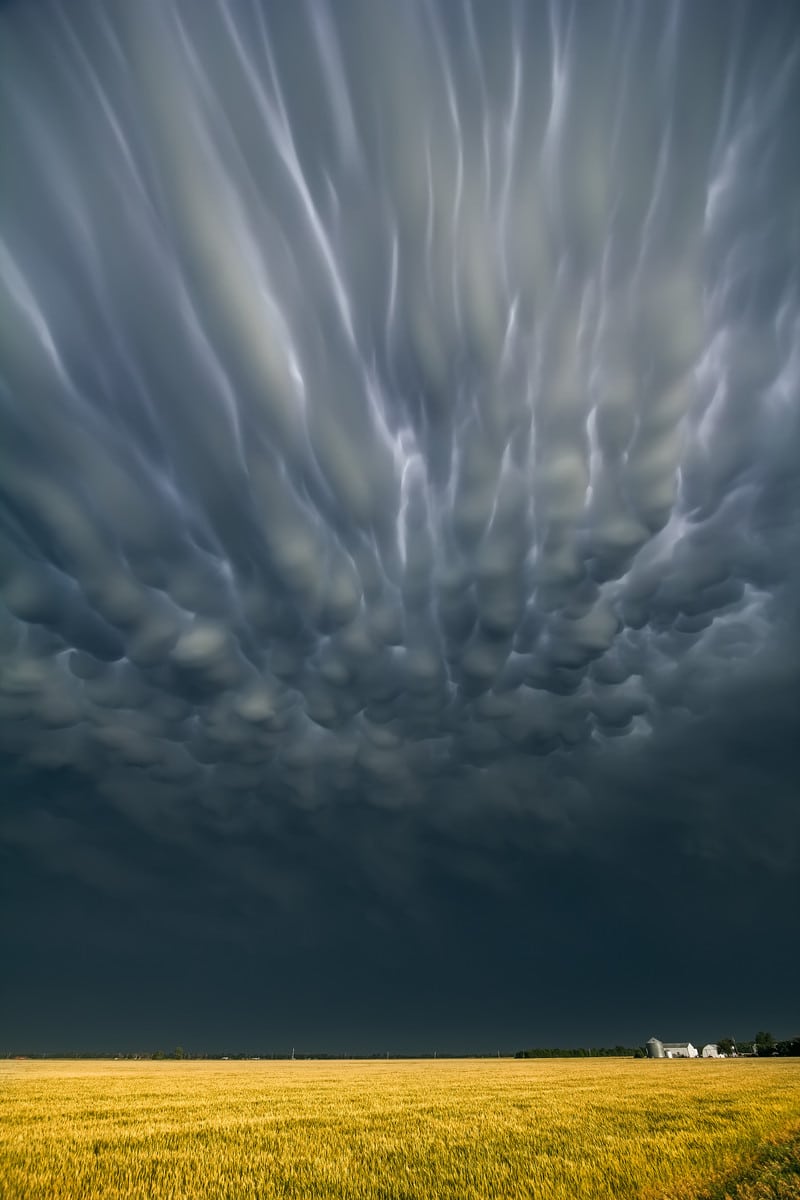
[{"x": 772, "y": 1173}]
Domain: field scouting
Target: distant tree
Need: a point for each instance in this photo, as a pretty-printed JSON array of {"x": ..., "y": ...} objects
[
  {"x": 726, "y": 1045},
  {"x": 179, "y": 1052},
  {"x": 765, "y": 1043}
]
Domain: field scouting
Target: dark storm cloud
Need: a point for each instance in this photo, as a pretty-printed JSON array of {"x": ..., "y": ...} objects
[{"x": 400, "y": 410}]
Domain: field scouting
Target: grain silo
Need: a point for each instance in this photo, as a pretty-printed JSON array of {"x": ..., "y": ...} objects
[{"x": 655, "y": 1048}]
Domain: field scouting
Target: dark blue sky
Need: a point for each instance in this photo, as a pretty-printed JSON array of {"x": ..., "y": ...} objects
[{"x": 399, "y": 524}]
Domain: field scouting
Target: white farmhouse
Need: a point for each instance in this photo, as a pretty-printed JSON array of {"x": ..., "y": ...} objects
[{"x": 712, "y": 1051}]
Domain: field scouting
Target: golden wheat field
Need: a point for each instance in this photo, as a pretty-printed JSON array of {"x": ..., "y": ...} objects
[{"x": 409, "y": 1130}]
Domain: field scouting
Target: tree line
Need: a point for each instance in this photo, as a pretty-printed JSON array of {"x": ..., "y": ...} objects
[
  {"x": 581, "y": 1052},
  {"x": 763, "y": 1045}
]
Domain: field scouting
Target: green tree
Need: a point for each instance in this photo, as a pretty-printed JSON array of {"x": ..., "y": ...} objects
[
  {"x": 726, "y": 1045},
  {"x": 765, "y": 1043}
]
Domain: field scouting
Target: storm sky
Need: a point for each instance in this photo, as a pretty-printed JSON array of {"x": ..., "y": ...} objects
[{"x": 399, "y": 523}]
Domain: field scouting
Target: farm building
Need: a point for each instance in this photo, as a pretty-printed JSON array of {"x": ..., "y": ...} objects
[
  {"x": 712, "y": 1051},
  {"x": 679, "y": 1050},
  {"x": 658, "y": 1049}
]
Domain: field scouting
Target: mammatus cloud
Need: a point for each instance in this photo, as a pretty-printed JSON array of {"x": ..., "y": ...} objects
[{"x": 400, "y": 405}]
